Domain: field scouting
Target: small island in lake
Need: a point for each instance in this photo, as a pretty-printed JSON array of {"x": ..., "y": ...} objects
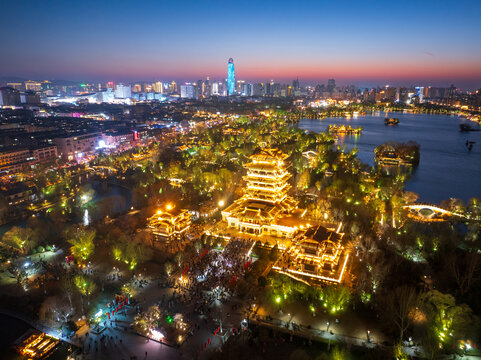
[
  {"x": 343, "y": 129},
  {"x": 391, "y": 121},
  {"x": 397, "y": 154},
  {"x": 467, "y": 127}
]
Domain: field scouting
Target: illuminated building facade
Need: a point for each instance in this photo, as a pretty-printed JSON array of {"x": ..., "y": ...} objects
[
  {"x": 317, "y": 256},
  {"x": 33, "y": 85},
  {"x": 187, "y": 91},
  {"x": 230, "y": 77},
  {"x": 38, "y": 346},
  {"x": 266, "y": 208},
  {"x": 123, "y": 91},
  {"x": 170, "y": 224},
  {"x": 77, "y": 146}
]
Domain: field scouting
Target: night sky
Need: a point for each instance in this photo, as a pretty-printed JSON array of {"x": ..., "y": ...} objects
[{"x": 362, "y": 42}]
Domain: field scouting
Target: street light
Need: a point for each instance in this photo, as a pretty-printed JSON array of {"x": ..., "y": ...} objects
[{"x": 221, "y": 203}]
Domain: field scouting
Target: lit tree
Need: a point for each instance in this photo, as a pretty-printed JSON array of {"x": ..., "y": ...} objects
[
  {"x": 335, "y": 297},
  {"x": 168, "y": 267},
  {"x": 339, "y": 353},
  {"x": 197, "y": 246},
  {"x": 131, "y": 252},
  {"x": 179, "y": 258},
  {"x": 20, "y": 239},
  {"x": 449, "y": 321},
  {"x": 82, "y": 241},
  {"x": 127, "y": 289},
  {"x": 85, "y": 286},
  {"x": 398, "y": 352}
]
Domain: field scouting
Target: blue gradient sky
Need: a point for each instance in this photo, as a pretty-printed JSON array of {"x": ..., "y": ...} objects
[{"x": 362, "y": 42}]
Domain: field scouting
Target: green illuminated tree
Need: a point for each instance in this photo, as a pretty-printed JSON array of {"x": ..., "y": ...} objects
[
  {"x": 82, "y": 241},
  {"x": 339, "y": 353},
  {"x": 86, "y": 286},
  {"x": 447, "y": 320},
  {"x": 335, "y": 298},
  {"x": 19, "y": 239},
  {"x": 398, "y": 352},
  {"x": 131, "y": 252}
]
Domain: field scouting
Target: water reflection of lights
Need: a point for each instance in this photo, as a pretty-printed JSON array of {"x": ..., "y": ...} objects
[{"x": 86, "y": 219}]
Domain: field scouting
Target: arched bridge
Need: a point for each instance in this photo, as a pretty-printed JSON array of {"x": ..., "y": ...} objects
[{"x": 429, "y": 212}]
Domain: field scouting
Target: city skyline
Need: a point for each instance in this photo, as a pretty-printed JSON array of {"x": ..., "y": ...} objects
[{"x": 427, "y": 43}]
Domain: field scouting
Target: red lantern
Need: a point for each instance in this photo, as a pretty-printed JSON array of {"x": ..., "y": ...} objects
[{"x": 208, "y": 341}]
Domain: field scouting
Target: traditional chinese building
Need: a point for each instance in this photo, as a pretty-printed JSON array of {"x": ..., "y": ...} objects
[
  {"x": 170, "y": 224},
  {"x": 38, "y": 346},
  {"x": 316, "y": 256},
  {"x": 266, "y": 208}
]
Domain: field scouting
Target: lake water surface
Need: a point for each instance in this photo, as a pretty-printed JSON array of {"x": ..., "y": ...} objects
[{"x": 446, "y": 169}]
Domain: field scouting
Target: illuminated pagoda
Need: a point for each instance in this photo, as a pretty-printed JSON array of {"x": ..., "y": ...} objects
[
  {"x": 317, "y": 256},
  {"x": 265, "y": 208},
  {"x": 170, "y": 224}
]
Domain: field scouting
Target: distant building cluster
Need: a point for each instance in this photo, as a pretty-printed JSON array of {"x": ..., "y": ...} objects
[{"x": 32, "y": 93}]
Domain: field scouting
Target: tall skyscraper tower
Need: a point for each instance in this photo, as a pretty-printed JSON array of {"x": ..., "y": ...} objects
[
  {"x": 230, "y": 77},
  {"x": 331, "y": 85}
]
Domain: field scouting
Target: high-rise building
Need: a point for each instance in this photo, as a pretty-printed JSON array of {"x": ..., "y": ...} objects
[
  {"x": 136, "y": 88},
  {"x": 187, "y": 91},
  {"x": 215, "y": 88},
  {"x": 158, "y": 87},
  {"x": 246, "y": 90},
  {"x": 9, "y": 96},
  {"x": 230, "y": 77},
  {"x": 331, "y": 85},
  {"x": 207, "y": 87},
  {"x": 200, "y": 89},
  {"x": 267, "y": 89},
  {"x": 257, "y": 90},
  {"x": 123, "y": 91},
  {"x": 173, "y": 87},
  {"x": 33, "y": 85},
  {"x": 15, "y": 85},
  {"x": 420, "y": 93},
  {"x": 295, "y": 85},
  {"x": 106, "y": 96}
]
